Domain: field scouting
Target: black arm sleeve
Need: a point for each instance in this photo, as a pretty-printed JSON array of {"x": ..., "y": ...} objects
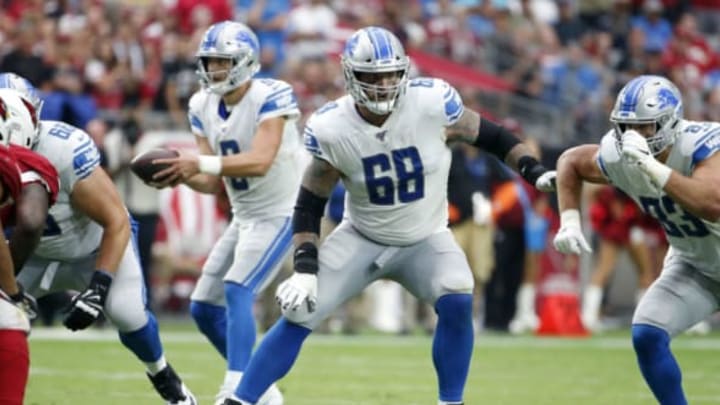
[
  {"x": 309, "y": 209},
  {"x": 498, "y": 141},
  {"x": 495, "y": 139}
]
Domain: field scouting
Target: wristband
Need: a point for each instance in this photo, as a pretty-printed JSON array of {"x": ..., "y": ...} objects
[
  {"x": 570, "y": 218},
  {"x": 210, "y": 164},
  {"x": 305, "y": 258},
  {"x": 530, "y": 169},
  {"x": 100, "y": 282}
]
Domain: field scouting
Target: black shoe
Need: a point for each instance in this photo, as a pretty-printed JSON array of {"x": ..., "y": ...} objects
[
  {"x": 171, "y": 388},
  {"x": 230, "y": 401}
]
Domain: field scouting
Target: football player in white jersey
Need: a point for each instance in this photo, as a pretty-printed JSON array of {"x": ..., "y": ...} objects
[
  {"x": 88, "y": 244},
  {"x": 248, "y": 141},
  {"x": 671, "y": 168},
  {"x": 387, "y": 140}
]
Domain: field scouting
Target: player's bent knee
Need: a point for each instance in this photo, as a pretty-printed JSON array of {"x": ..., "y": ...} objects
[
  {"x": 648, "y": 338},
  {"x": 126, "y": 319}
]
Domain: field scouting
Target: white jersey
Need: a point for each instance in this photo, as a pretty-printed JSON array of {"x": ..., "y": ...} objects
[
  {"x": 695, "y": 240},
  {"x": 232, "y": 131},
  {"x": 396, "y": 175},
  {"x": 69, "y": 233}
]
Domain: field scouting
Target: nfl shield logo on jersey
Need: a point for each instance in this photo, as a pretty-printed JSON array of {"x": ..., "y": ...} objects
[{"x": 381, "y": 136}]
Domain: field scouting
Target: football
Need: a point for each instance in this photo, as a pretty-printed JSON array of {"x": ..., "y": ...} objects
[{"x": 143, "y": 167}]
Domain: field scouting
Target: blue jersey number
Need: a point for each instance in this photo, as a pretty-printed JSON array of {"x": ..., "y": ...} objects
[
  {"x": 409, "y": 171},
  {"x": 231, "y": 147},
  {"x": 422, "y": 82},
  {"x": 61, "y": 130},
  {"x": 661, "y": 209}
]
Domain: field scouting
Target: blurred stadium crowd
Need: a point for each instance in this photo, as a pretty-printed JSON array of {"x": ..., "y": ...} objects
[{"x": 550, "y": 69}]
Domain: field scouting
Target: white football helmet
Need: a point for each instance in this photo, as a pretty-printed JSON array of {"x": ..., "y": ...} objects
[
  {"x": 375, "y": 50},
  {"x": 21, "y": 84},
  {"x": 18, "y": 121},
  {"x": 645, "y": 100},
  {"x": 233, "y": 41}
]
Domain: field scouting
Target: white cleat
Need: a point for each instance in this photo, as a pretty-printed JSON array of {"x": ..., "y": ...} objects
[
  {"x": 524, "y": 324},
  {"x": 592, "y": 324}
]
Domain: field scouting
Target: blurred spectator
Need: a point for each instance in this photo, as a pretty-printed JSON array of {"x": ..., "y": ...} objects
[
  {"x": 187, "y": 12},
  {"x": 23, "y": 57},
  {"x": 309, "y": 29},
  {"x": 472, "y": 175},
  {"x": 179, "y": 80},
  {"x": 569, "y": 27},
  {"x": 268, "y": 19},
  {"x": 68, "y": 101},
  {"x": 538, "y": 213},
  {"x": 657, "y": 28},
  {"x": 617, "y": 221},
  {"x": 689, "y": 54},
  {"x": 508, "y": 199}
]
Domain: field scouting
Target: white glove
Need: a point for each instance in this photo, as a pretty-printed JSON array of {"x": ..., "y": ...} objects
[
  {"x": 298, "y": 289},
  {"x": 546, "y": 182},
  {"x": 569, "y": 238},
  {"x": 635, "y": 151}
]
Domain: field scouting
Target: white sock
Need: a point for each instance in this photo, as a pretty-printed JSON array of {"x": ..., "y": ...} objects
[
  {"x": 441, "y": 402},
  {"x": 155, "y": 367},
  {"x": 232, "y": 377},
  {"x": 592, "y": 298},
  {"x": 526, "y": 300}
]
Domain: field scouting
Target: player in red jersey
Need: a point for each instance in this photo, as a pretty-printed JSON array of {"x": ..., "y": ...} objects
[{"x": 16, "y": 308}]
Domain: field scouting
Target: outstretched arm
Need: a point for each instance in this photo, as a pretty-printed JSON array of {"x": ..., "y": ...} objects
[
  {"x": 574, "y": 166},
  {"x": 484, "y": 134}
]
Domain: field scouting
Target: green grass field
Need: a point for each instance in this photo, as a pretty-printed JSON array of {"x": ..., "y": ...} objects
[{"x": 93, "y": 368}]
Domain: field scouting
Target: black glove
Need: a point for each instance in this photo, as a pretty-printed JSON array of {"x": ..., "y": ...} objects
[
  {"x": 26, "y": 302},
  {"x": 87, "y": 306}
]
